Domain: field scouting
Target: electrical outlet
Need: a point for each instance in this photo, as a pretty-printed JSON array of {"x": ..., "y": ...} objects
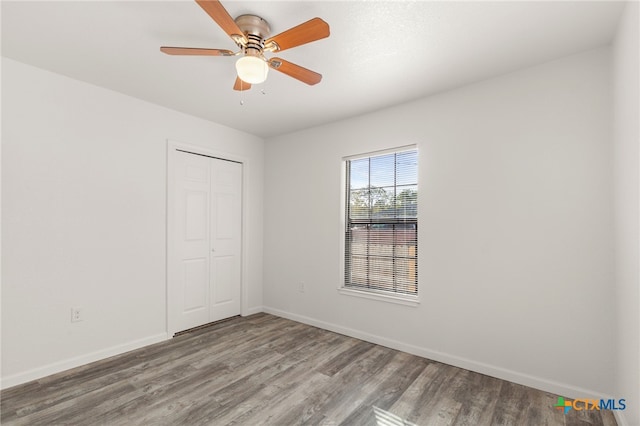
[
  {"x": 301, "y": 287},
  {"x": 76, "y": 314}
]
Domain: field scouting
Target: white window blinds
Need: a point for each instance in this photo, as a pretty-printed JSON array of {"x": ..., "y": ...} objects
[{"x": 381, "y": 243}]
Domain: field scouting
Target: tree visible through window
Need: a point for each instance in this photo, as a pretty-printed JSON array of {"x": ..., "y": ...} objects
[{"x": 381, "y": 243}]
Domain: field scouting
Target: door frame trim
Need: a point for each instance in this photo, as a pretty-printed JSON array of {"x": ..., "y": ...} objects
[{"x": 172, "y": 147}]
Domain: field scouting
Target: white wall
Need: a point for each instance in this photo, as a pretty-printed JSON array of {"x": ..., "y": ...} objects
[
  {"x": 626, "y": 91},
  {"x": 515, "y": 236},
  {"x": 84, "y": 218}
]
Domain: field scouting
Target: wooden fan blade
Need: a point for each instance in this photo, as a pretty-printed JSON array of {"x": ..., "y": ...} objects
[
  {"x": 219, "y": 14},
  {"x": 312, "y": 30},
  {"x": 195, "y": 51},
  {"x": 241, "y": 85},
  {"x": 295, "y": 71}
]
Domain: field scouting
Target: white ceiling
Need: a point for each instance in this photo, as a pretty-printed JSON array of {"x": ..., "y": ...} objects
[{"x": 380, "y": 53}]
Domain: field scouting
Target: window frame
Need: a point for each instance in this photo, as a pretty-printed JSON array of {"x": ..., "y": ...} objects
[{"x": 406, "y": 299}]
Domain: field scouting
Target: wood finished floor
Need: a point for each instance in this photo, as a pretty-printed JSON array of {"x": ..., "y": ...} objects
[{"x": 266, "y": 370}]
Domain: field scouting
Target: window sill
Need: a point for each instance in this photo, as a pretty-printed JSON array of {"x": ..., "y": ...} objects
[{"x": 382, "y": 297}]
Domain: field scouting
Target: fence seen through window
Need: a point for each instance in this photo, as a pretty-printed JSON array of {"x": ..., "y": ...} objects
[{"x": 381, "y": 242}]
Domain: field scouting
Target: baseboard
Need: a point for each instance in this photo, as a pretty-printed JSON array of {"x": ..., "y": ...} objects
[
  {"x": 558, "y": 388},
  {"x": 621, "y": 419},
  {"x": 253, "y": 310},
  {"x": 57, "y": 367}
]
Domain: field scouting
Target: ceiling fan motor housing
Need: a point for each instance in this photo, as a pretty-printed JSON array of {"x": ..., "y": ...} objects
[{"x": 256, "y": 30}]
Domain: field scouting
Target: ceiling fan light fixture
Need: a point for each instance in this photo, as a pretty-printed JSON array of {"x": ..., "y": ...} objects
[{"x": 252, "y": 69}]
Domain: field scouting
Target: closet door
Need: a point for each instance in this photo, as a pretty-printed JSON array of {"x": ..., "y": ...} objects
[
  {"x": 206, "y": 285},
  {"x": 226, "y": 236}
]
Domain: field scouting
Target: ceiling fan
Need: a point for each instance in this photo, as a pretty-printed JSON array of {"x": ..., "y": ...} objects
[{"x": 252, "y": 35}]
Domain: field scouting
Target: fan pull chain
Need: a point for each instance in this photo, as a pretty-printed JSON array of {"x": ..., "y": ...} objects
[{"x": 241, "y": 94}]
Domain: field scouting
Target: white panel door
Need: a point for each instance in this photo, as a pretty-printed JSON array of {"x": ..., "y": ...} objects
[
  {"x": 206, "y": 284},
  {"x": 226, "y": 210},
  {"x": 190, "y": 304}
]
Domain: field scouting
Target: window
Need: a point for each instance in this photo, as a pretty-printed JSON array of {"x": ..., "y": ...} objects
[{"x": 381, "y": 242}]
